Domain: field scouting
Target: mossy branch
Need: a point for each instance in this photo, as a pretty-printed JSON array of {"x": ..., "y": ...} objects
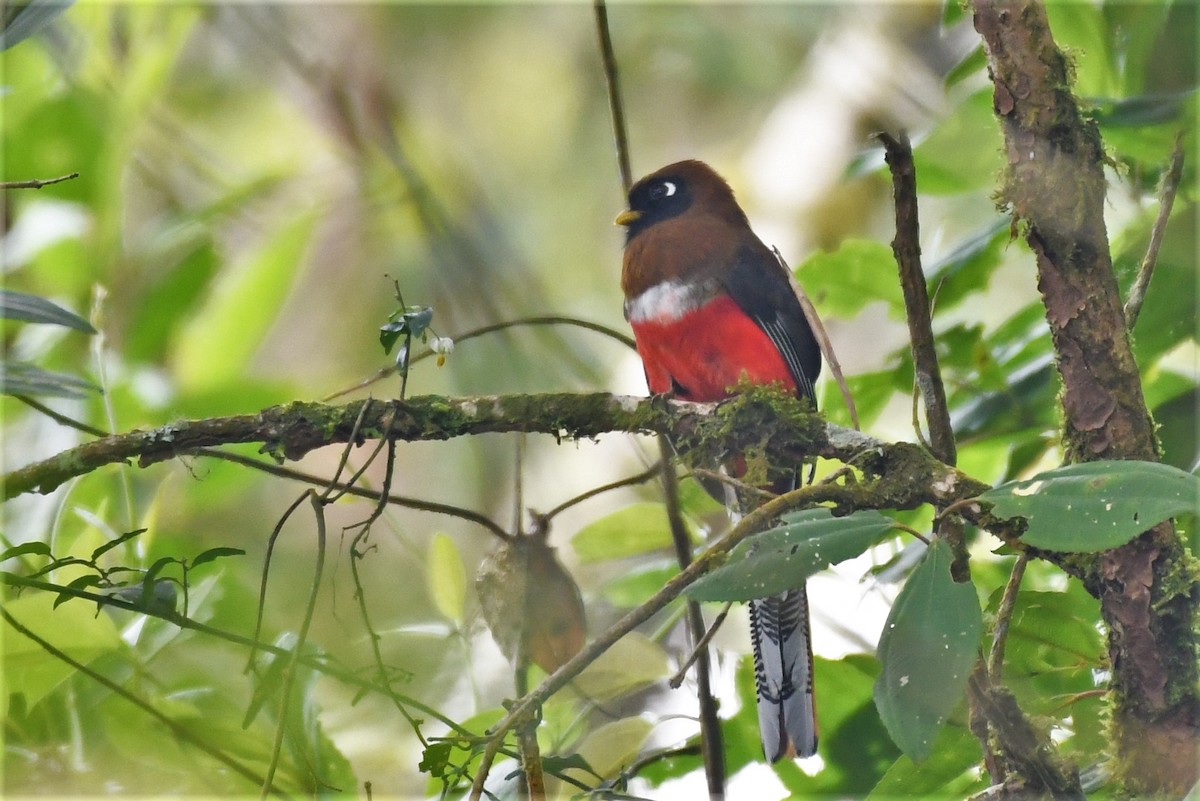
[{"x": 907, "y": 475}]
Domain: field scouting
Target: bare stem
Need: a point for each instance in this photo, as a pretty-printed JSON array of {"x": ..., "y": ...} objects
[
  {"x": 615, "y": 107},
  {"x": 36, "y": 183},
  {"x": 1170, "y": 186}
]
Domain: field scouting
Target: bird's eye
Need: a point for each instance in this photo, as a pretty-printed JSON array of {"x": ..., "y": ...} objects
[{"x": 662, "y": 190}]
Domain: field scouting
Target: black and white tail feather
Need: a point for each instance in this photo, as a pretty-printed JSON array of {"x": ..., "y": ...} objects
[
  {"x": 781, "y": 638},
  {"x": 779, "y": 631}
]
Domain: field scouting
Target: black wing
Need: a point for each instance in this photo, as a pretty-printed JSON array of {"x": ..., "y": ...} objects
[{"x": 760, "y": 287}]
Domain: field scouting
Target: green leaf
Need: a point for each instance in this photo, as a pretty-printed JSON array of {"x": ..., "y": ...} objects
[
  {"x": 435, "y": 758},
  {"x": 215, "y": 553},
  {"x": 844, "y": 281},
  {"x": 410, "y": 321},
  {"x": 1095, "y": 506},
  {"x": 33, "y": 309},
  {"x": 216, "y": 346},
  {"x": 19, "y": 378},
  {"x": 950, "y": 772},
  {"x": 637, "y": 529},
  {"x": 635, "y": 587},
  {"x": 73, "y": 628},
  {"x": 113, "y": 543},
  {"x": 967, "y": 269},
  {"x": 928, "y": 644},
  {"x": 447, "y": 578},
  {"x": 633, "y": 662},
  {"x": 35, "y": 548},
  {"x": 612, "y": 746},
  {"x": 81, "y": 583},
  {"x": 963, "y": 152},
  {"x": 780, "y": 559}
]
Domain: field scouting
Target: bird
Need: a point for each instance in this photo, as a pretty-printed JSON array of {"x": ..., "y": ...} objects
[{"x": 710, "y": 306}]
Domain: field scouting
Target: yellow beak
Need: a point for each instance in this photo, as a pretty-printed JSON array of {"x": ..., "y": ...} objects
[{"x": 628, "y": 216}]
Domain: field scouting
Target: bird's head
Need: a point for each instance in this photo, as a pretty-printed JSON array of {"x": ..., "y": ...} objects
[{"x": 685, "y": 187}]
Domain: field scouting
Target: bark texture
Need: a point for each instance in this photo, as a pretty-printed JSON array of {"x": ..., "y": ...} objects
[{"x": 1055, "y": 187}]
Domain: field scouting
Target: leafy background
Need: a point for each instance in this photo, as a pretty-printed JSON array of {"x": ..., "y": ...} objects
[{"x": 252, "y": 178}]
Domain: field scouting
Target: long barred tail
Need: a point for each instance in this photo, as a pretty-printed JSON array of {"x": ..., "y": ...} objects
[{"x": 783, "y": 662}]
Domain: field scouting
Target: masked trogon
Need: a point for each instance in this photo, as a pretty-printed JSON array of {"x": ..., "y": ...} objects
[{"x": 710, "y": 305}]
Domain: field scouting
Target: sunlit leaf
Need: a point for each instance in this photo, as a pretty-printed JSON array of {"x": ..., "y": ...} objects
[
  {"x": 36, "y": 548},
  {"x": 446, "y": 577},
  {"x": 844, "y": 281},
  {"x": 950, "y": 772},
  {"x": 216, "y": 346},
  {"x": 612, "y": 746},
  {"x": 636, "y": 586},
  {"x": 636, "y": 529},
  {"x": 74, "y": 629},
  {"x": 782, "y": 558},
  {"x": 1095, "y": 506},
  {"x": 963, "y": 152},
  {"x": 633, "y": 662},
  {"x": 928, "y": 644}
]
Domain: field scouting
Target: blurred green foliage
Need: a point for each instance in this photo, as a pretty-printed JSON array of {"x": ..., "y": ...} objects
[{"x": 252, "y": 179}]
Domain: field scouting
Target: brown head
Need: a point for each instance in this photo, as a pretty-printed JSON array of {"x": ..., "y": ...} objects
[{"x": 682, "y": 223}]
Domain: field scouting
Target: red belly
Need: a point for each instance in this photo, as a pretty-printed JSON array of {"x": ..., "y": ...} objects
[{"x": 707, "y": 351}]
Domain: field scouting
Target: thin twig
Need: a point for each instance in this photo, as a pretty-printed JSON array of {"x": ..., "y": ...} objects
[
  {"x": 60, "y": 418},
  {"x": 1004, "y": 615},
  {"x": 1170, "y": 185},
  {"x": 360, "y": 593},
  {"x": 289, "y": 677},
  {"x": 615, "y": 107},
  {"x": 546, "y": 320},
  {"x": 631, "y": 481},
  {"x": 360, "y": 492},
  {"x": 740, "y": 486},
  {"x": 266, "y": 572},
  {"x": 37, "y": 184},
  {"x": 676, "y": 681},
  {"x": 907, "y": 248}
]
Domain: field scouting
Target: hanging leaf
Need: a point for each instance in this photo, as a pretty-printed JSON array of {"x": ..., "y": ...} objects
[
  {"x": 216, "y": 553},
  {"x": 531, "y": 604},
  {"x": 19, "y": 378},
  {"x": 780, "y": 559},
  {"x": 929, "y": 642},
  {"x": 33, "y": 309},
  {"x": 1095, "y": 506}
]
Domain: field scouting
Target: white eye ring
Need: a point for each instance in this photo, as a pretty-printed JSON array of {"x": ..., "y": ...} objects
[{"x": 661, "y": 190}]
